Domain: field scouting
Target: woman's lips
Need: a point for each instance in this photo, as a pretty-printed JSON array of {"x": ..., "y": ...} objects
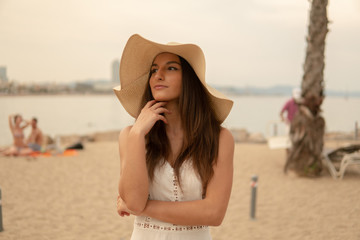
[{"x": 159, "y": 87}]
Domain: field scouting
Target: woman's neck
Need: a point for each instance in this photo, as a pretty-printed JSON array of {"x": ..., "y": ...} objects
[
  {"x": 174, "y": 131},
  {"x": 174, "y": 126}
]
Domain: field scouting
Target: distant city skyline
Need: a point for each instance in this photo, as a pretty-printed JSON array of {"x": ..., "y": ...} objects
[
  {"x": 3, "y": 74},
  {"x": 259, "y": 43},
  {"x": 115, "y": 71}
]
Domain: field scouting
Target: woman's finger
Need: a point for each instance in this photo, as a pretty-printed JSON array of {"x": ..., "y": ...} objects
[
  {"x": 157, "y": 105},
  {"x": 121, "y": 207},
  {"x": 161, "y": 110},
  {"x": 162, "y": 118},
  {"x": 123, "y": 213},
  {"x": 149, "y": 103}
]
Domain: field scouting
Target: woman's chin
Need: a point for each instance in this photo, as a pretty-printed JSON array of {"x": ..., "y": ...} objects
[{"x": 161, "y": 99}]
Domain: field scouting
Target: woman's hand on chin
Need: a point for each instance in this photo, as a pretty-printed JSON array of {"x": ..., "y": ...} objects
[{"x": 151, "y": 113}]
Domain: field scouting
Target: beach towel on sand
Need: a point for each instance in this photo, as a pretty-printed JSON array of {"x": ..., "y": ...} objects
[{"x": 68, "y": 152}]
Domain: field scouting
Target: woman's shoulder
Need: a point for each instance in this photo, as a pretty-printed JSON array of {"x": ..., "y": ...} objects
[
  {"x": 126, "y": 129},
  {"x": 125, "y": 132},
  {"x": 226, "y": 142},
  {"x": 226, "y": 147},
  {"x": 226, "y": 135}
]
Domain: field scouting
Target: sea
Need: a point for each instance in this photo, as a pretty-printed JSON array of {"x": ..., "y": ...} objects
[{"x": 87, "y": 114}]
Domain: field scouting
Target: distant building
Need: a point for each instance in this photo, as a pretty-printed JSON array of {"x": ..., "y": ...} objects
[
  {"x": 103, "y": 87},
  {"x": 115, "y": 72},
  {"x": 3, "y": 76}
]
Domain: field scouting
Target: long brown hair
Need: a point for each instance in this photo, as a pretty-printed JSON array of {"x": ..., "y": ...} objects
[{"x": 201, "y": 130}]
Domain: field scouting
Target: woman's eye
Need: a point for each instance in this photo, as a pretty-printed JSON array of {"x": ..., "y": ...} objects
[
  {"x": 173, "y": 68},
  {"x": 153, "y": 70}
]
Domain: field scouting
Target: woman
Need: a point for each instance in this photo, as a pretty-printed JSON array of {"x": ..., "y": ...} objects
[
  {"x": 19, "y": 147},
  {"x": 176, "y": 163}
]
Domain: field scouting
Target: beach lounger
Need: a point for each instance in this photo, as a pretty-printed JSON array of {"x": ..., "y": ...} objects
[
  {"x": 279, "y": 142},
  {"x": 277, "y": 133},
  {"x": 346, "y": 156}
]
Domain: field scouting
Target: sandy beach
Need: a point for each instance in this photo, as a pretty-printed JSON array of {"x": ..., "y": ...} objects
[{"x": 74, "y": 197}]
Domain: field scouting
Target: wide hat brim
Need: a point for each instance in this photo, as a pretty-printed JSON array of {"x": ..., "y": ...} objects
[{"x": 135, "y": 65}]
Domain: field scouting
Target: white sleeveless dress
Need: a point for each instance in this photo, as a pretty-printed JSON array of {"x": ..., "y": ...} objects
[{"x": 165, "y": 187}]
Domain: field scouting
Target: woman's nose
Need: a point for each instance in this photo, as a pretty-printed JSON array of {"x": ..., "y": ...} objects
[{"x": 159, "y": 75}]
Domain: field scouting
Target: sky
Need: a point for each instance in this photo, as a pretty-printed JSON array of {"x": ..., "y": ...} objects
[{"x": 246, "y": 43}]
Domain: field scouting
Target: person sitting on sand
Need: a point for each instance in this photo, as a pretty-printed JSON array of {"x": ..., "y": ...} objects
[
  {"x": 35, "y": 140},
  {"x": 19, "y": 147}
]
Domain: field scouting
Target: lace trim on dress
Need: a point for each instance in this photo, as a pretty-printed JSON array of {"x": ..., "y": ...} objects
[{"x": 169, "y": 228}]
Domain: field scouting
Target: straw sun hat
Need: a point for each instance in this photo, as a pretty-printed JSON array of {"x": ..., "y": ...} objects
[{"x": 135, "y": 64}]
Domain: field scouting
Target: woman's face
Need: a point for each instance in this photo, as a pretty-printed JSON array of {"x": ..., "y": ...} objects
[
  {"x": 18, "y": 120},
  {"x": 166, "y": 77}
]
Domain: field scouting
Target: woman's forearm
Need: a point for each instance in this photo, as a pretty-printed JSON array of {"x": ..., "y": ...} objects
[
  {"x": 134, "y": 183},
  {"x": 11, "y": 122},
  {"x": 27, "y": 123},
  {"x": 197, "y": 212}
]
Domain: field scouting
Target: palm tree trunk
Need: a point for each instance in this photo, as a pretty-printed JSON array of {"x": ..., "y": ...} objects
[
  {"x": 313, "y": 79},
  {"x": 307, "y": 128}
]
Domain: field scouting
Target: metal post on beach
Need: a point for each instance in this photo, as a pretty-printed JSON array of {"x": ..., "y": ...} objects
[
  {"x": 1, "y": 222},
  {"x": 254, "y": 180},
  {"x": 275, "y": 130}
]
